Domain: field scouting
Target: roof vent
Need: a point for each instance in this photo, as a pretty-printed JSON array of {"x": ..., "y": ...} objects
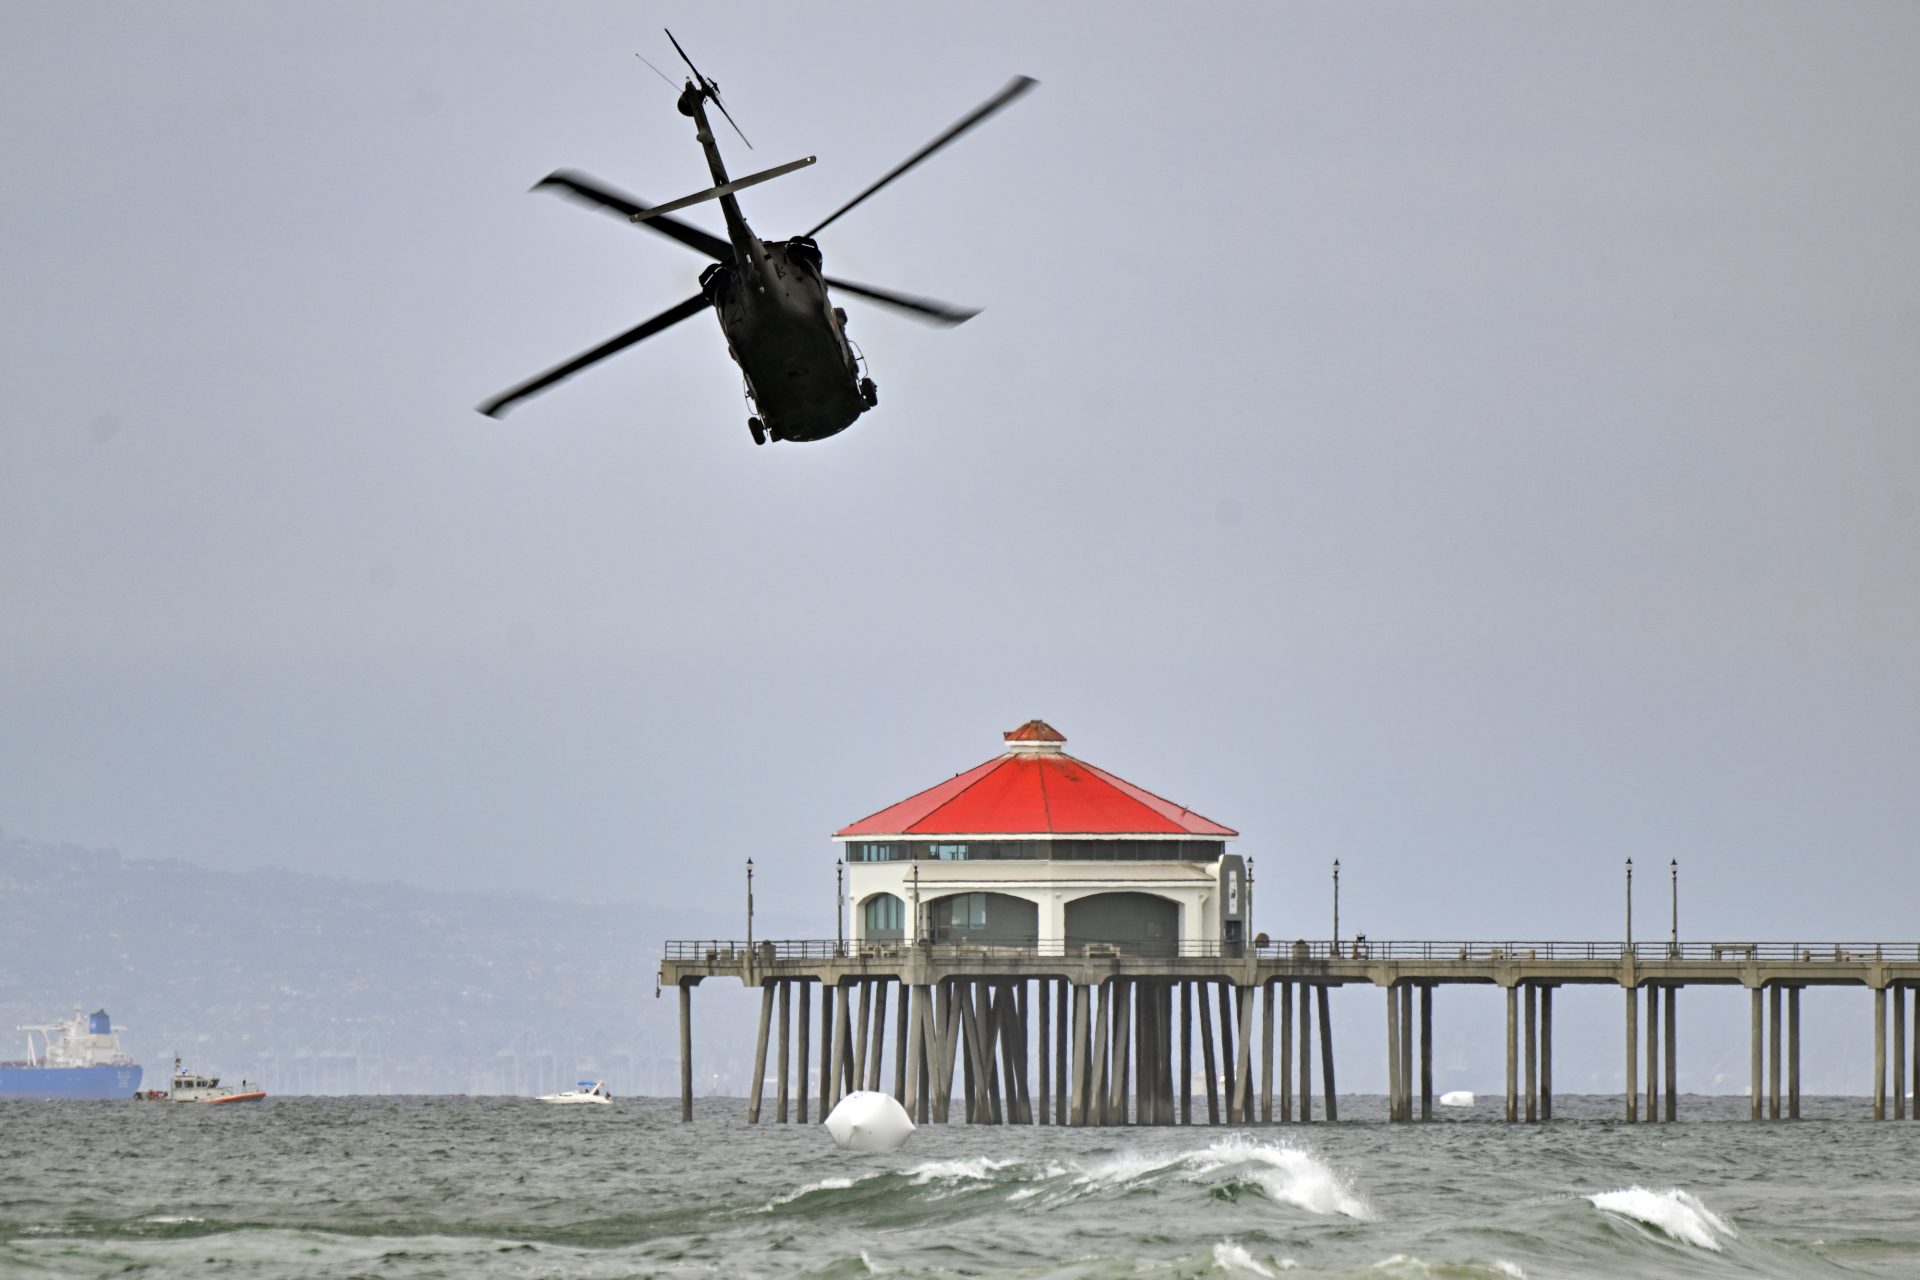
[{"x": 1035, "y": 736}]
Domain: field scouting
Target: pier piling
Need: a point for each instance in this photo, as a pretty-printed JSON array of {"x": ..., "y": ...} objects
[
  {"x": 686, "y": 1050},
  {"x": 1633, "y": 1056},
  {"x": 1673, "y": 1054},
  {"x": 1513, "y": 1054},
  {"x": 1306, "y": 1057},
  {"x": 1653, "y": 1054},
  {"x": 800, "y": 1058},
  {"x": 780, "y": 1115},
  {"x": 1328, "y": 1092},
  {"x": 1426, "y": 1050},
  {"x": 1773, "y": 1051},
  {"x": 758, "y": 1085}
]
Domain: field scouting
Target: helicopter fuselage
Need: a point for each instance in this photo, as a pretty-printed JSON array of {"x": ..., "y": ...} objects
[{"x": 781, "y": 326}]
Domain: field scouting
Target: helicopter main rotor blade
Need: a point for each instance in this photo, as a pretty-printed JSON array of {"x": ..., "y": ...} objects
[
  {"x": 645, "y": 329},
  {"x": 724, "y": 189},
  {"x": 1015, "y": 87},
  {"x": 591, "y": 191},
  {"x": 922, "y": 308}
]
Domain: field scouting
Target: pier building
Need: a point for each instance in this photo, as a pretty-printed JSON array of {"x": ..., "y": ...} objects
[
  {"x": 1037, "y": 849},
  {"x": 1068, "y": 948}
]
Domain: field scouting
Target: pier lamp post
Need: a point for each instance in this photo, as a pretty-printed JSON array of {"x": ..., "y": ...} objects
[
  {"x": 1336, "y": 906},
  {"x": 749, "y": 910},
  {"x": 1251, "y": 935},
  {"x": 1673, "y": 866},
  {"x": 1629, "y": 906},
  {"x": 839, "y": 907},
  {"x": 919, "y": 934}
]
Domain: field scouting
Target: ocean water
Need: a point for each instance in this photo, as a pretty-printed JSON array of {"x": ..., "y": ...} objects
[{"x": 495, "y": 1187}]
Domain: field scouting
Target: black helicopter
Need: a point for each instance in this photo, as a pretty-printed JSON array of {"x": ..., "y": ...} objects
[{"x": 803, "y": 377}]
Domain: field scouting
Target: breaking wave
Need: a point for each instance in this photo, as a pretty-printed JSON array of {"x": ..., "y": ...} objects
[{"x": 1679, "y": 1214}]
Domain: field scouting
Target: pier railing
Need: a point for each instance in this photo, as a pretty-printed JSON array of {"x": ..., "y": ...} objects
[{"x": 774, "y": 951}]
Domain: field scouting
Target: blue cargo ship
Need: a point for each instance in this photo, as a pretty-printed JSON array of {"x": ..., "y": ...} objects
[{"x": 80, "y": 1059}]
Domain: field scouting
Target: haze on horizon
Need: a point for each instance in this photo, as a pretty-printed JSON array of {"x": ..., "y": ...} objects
[{"x": 1477, "y": 444}]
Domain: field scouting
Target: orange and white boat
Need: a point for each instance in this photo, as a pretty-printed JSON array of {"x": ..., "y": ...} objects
[{"x": 189, "y": 1087}]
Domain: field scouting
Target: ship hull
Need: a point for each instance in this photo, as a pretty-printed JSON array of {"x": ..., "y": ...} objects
[{"x": 79, "y": 1084}]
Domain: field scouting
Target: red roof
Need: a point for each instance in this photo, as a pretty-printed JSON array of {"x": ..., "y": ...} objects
[{"x": 1036, "y": 788}]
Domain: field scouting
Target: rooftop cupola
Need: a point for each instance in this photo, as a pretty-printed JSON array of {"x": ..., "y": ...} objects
[{"x": 1035, "y": 737}]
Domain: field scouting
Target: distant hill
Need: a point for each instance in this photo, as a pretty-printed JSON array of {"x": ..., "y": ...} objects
[{"x": 316, "y": 985}]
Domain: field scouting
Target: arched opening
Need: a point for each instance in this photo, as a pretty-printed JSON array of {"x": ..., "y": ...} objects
[
  {"x": 998, "y": 919},
  {"x": 1142, "y": 924},
  {"x": 883, "y": 918}
]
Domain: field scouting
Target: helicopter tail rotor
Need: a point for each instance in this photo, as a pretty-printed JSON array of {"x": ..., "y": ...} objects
[{"x": 707, "y": 87}]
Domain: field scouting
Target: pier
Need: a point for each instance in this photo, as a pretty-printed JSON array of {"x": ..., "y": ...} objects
[{"x": 1050, "y": 1034}]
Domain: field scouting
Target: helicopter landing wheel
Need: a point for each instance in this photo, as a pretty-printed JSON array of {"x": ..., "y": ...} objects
[
  {"x": 869, "y": 394},
  {"x": 759, "y": 431}
]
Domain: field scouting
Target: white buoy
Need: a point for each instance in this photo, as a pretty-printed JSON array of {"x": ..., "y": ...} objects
[
  {"x": 1458, "y": 1098},
  {"x": 869, "y": 1121}
]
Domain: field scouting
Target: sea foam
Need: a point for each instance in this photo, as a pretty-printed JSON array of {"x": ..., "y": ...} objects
[
  {"x": 1235, "y": 1260},
  {"x": 1680, "y": 1214}
]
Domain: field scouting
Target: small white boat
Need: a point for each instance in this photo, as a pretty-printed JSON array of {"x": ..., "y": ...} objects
[{"x": 585, "y": 1091}]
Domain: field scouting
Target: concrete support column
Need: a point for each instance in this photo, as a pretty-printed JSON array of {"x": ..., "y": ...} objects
[
  {"x": 1915, "y": 1113},
  {"x": 902, "y": 1009},
  {"x": 686, "y": 1052},
  {"x": 1793, "y": 1053},
  {"x": 1408, "y": 1042},
  {"x": 1879, "y": 1053},
  {"x": 1756, "y": 1054},
  {"x": 1899, "y": 1050},
  {"x": 1773, "y": 1051},
  {"x": 759, "y": 1082},
  {"x": 1202, "y": 989},
  {"x": 914, "y": 1015},
  {"x": 1330, "y": 1093},
  {"x": 827, "y": 1039},
  {"x": 1243, "y": 1074},
  {"x": 1533, "y": 1055},
  {"x": 801, "y": 1067},
  {"x": 1097, "y": 1088},
  {"x": 1633, "y": 1055},
  {"x": 1266, "y": 1053},
  {"x": 1082, "y": 1057},
  {"x": 842, "y": 1044},
  {"x": 1186, "y": 1052},
  {"x": 1653, "y": 1053},
  {"x": 877, "y": 1046},
  {"x": 1227, "y": 1082},
  {"x": 780, "y": 1115},
  {"x": 1044, "y": 996},
  {"x": 1169, "y": 1114},
  {"x": 1306, "y": 1056},
  {"x": 1393, "y": 1055},
  {"x": 1060, "y": 1053},
  {"x": 1673, "y": 1054},
  {"x": 1286, "y": 1053},
  {"x": 1513, "y": 1054},
  {"x": 1426, "y": 1051},
  {"x": 1546, "y": 1053}
]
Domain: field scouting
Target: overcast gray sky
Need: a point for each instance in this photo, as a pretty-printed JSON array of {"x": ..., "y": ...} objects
[{"x": 1475, "y": 441}]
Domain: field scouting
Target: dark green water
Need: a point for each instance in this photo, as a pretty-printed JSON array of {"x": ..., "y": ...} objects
[{"x": 457, "y": 1187}]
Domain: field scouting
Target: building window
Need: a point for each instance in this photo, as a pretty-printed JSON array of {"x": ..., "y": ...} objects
[
  {"x": 949, "y": 852},
  {"x": 885, "y": 914},
  {"x": 969, "y": 911},
  {"x": 872, "y": 853}
]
